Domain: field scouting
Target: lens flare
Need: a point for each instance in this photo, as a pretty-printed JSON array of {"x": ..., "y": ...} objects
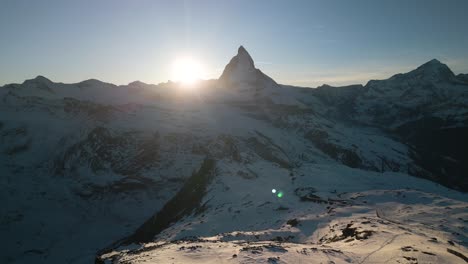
[
  {"x": 280, "y": 194},
  {"x": 273, "y": 190}
]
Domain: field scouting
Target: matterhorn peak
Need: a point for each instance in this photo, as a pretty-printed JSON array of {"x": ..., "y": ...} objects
[
  {"x": 241, "y": 69},
  {"x": 244, "y": 58}
]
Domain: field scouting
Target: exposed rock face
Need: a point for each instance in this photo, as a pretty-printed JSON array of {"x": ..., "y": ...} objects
[{"x": 241, "y": 69}]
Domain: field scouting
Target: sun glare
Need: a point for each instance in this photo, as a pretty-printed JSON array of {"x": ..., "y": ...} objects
[{"x": 186, "y": 71}]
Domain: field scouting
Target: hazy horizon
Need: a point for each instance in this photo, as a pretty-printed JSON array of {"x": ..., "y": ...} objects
[{"x": 304, "y": 43}]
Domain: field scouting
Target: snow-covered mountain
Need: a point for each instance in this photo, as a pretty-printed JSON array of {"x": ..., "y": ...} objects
[{"x": 93, "y": 171}]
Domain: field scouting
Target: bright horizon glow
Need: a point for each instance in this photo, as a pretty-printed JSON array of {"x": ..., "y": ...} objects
[
  {"x": 315, "y": 42},
  {"x": 187, "y": 71}
]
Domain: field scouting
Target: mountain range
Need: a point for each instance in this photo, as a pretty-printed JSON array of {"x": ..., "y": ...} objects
[{"x": 237, "y": 169}]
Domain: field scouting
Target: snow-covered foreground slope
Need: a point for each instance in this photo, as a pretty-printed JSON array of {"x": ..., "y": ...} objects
[
  {"x": 98, "y": 172},
  {"x": 329, "y": 213}
]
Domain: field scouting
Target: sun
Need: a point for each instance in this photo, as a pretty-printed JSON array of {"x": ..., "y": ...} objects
[{"x": 186, "y": 70}]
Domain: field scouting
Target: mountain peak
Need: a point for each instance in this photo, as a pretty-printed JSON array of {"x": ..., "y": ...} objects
[
  {"x": 241, "y": 49},
  {"x": 434, "y": 63},
  {"x": 137, "y": 83},
  {"x": 435, "y": 70},
  {"x": 41, "y": 83},
  {"x": 241, "y": 68},
  {"x": 244, "y": 57},
  {"x": 39, "y": 79},
  {"x": 93, "y": 83}
]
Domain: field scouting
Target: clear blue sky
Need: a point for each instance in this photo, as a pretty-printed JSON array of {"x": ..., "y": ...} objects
[{"x": 303, "y": 43}]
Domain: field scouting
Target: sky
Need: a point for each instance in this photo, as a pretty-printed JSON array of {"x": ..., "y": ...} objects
[{"x": 303, "y": 43}]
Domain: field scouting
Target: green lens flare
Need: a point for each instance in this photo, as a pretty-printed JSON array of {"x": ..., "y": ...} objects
[{"x": 280, "y": 194}]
